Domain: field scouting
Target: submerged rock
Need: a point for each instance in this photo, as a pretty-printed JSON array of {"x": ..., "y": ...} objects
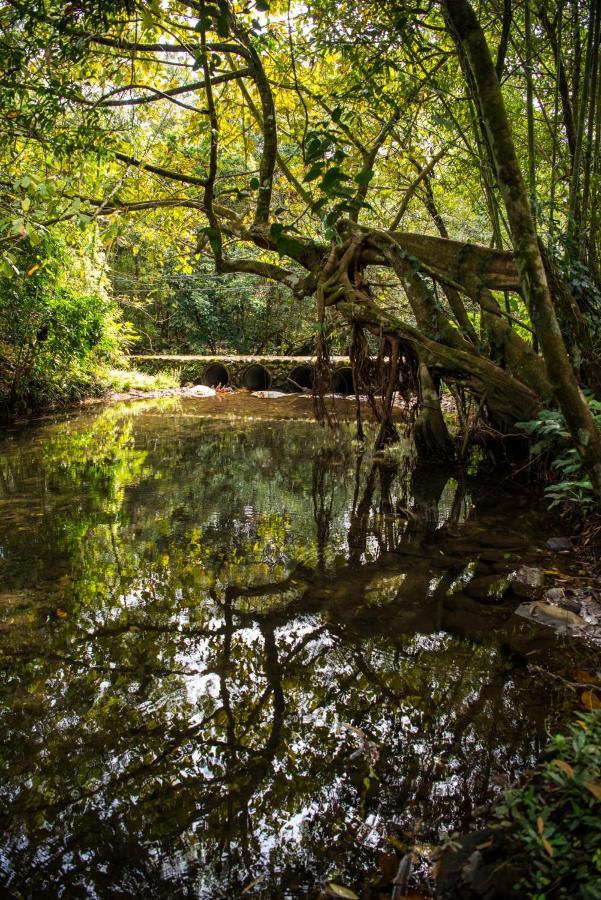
[
  {"x": 481, "y": 866},
  {"x": 269, "y": 395},
  {"x": 527, "y": 582},
  {"x": 488, "y": 588},
  {"x": 559, "y": 543}
]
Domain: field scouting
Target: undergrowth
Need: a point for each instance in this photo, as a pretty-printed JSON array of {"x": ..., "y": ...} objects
[
  {"x": 555, "y": 820},
  {"x": 133, "y": 380},
  {"x": 552, "y": 438}
]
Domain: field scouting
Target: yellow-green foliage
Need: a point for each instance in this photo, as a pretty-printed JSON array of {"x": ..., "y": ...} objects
[
  {"x": 133, "y": 380},
  {"x": 59, "y": 326}
]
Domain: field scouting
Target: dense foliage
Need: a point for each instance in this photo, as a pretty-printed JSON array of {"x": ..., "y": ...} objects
[
  {"x": 182, "y": 308},
  {"x": 555, "y": 819},
  {"x": 59, "y": 325},
  {"x": 421, "y": 174}
]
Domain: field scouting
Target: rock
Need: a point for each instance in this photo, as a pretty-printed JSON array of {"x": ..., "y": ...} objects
[
  {"x": 546, "y": 614},
  {"x": 482, "y": 867},
  {"x": 201, "y": 390},
  {"x": 269, "y": 395},
  {"x": 487, "y": 588},
  {"x": 527, "y": 582},
  {"x": 559, "y": 543},
  {"x": 556, "y": 596}
]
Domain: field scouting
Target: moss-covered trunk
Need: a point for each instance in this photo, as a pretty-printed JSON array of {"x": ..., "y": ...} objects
[{"x": 473, "y": 48}]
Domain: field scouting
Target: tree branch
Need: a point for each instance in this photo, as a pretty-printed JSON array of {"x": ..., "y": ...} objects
[
  {"x": 161, "y": 95},
  {"x": 413, "y": 187},
  {"x": 159, "y": 170}
]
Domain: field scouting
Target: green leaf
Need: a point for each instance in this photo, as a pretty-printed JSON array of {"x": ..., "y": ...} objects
[
  {"x": 314, "y": 172},
  {"x": 289, "y": 246},
  {"x": 364, "y": 176},
  {"x": 331, "y": 179}
]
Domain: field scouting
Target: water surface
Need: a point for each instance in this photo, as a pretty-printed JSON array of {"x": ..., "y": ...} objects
[{"x": 234, "y": 650}]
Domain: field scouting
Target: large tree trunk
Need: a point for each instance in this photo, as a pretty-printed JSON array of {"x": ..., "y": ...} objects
[
  {"x": 473, "y": 48},
  {"x": 431, "y": 436}
]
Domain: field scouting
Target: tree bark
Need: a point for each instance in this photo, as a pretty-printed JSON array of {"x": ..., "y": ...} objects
[
  {"x": 472, "y": 46},
  {"x": 431, "y": 436}
]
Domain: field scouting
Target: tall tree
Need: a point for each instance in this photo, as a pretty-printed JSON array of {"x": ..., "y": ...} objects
[{"x": 472, "y": 45}]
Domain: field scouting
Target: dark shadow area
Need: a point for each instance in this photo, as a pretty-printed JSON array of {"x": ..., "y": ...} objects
[
  {"x": 342, "y": 381},
  {"x": 302, "y": 377},
  {"x": 216, "y": 374},
  {"x": 257, "y": 378}
]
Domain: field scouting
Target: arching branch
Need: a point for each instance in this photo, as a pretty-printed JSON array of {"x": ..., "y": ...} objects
[
  {"x": 160, "y": 170},
  {"x": 154, "y": 94}
]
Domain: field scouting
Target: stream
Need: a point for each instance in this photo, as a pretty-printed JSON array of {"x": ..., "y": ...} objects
[{"x": 237, "y": 653}]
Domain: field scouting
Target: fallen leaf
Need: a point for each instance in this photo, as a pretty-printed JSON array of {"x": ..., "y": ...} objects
[
  {"x": 564, "y": 766},
  {"x": 590, "y": 700},
  {"x": 548, "y": 846},
  {"x": 594, "y": 787},
  {"x": 338, "y": 890},
  {"x": 540, "y": 824},
  {"x": 61, "y": 613},
  {"x": 582, "y": 676}
]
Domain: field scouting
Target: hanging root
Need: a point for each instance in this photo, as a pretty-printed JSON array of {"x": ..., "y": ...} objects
[
  {"x": 360, "y": 363},
  {"x": 394, "y": 371},
  {"x": 323, "y": 369},
  {"x": 397, "y": 369}
]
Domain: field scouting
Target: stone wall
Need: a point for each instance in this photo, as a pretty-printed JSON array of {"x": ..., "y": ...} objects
[{"x": 280, "y": 373}]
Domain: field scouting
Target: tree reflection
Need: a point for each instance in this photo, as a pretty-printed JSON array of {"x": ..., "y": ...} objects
[{"x": 253, "y": 653}]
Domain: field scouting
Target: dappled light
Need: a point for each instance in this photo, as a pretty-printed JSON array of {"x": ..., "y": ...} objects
[
  {"x": 245, "y": 651},
  {"x": 300, "y": 449}
]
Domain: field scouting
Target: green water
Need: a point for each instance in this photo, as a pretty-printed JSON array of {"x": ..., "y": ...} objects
[{"x": 234, "y": 649}]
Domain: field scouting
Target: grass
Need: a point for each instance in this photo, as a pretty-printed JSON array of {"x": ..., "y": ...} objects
[{"x": 123, "y": 380}]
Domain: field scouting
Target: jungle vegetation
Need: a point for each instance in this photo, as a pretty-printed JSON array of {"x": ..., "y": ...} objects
[{"x": 417, "y": 182}]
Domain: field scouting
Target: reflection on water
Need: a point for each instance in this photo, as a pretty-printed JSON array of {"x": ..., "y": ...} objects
[{"x": 234, "y": 649}]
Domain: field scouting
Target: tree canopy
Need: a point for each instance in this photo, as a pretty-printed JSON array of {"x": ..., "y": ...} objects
[{"x": 412, "y": 174}]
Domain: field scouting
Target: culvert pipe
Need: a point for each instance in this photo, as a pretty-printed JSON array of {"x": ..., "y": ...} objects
[
  {"x": 216, "y": 374},
  {"x": 301, "y": 377},
  {"x": 256, "y": 378},
  {"x": 342, "y": 381}
]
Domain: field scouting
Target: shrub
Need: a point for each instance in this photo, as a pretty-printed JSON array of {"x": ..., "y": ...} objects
[
  {"x": 551, "y": 436},
  {"x": 58, "y": 324},
  {"x": 555, "y": 820}
]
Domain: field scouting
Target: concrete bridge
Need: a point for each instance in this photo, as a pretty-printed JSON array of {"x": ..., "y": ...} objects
[{"x": 256, "y": 373}]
